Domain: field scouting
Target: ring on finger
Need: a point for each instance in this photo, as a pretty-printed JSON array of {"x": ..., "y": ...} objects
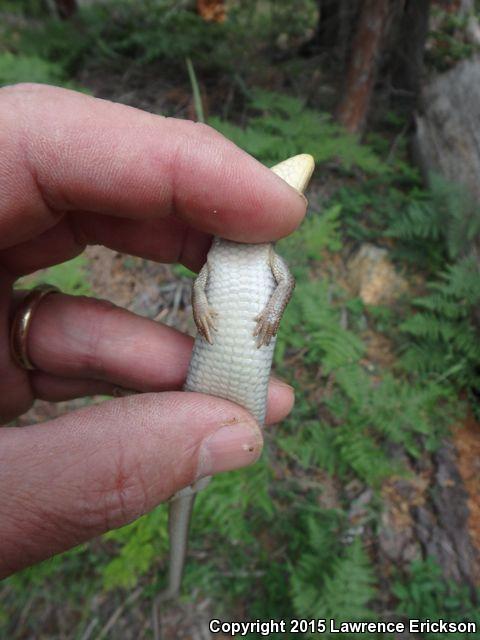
[{"x": 22, "y": 321}]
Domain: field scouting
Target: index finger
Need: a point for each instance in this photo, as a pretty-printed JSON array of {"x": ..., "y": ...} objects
[{"x": 64, "y": 151}]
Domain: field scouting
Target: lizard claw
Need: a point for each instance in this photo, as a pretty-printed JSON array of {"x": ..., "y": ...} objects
[
  {"x": 266, "y": 329},
  {"x": 205, "y": 319}
]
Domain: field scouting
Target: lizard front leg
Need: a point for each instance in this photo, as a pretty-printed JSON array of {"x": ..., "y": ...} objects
[
  {"x": 203, "y": 314},
  {"x": 269, "y": 319}
]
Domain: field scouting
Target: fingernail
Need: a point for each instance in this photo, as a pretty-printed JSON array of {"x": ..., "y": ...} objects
[
  {"x": 234, "y": 445},
  {"x": 304, "y": 198}
]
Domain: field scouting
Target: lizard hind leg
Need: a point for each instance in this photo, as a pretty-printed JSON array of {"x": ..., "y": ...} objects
[
  {"x": 269, "y": 319},
  {"x": 203, "y": 314}
]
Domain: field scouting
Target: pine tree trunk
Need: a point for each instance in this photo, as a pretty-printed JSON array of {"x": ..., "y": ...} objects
[
  {"x": 66, "y": 8},
  {"x": 329, "y": 18},
  {"x": 336, "y": 23},
  {"x": 406, "y": 64},
  {"x": 362, "y": 68}
]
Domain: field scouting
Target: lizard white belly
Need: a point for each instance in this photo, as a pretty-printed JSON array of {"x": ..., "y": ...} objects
[{"x": 239, "y": 286}]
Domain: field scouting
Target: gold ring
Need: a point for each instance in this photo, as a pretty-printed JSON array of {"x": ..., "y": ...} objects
[{"x": 22, "y": 321}]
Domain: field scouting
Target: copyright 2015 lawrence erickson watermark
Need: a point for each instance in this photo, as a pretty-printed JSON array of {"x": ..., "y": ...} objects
[{"x": 267, "y": 627}]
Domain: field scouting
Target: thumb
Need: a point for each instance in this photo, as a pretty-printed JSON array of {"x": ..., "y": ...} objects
[{"x": 70, "y": 479}]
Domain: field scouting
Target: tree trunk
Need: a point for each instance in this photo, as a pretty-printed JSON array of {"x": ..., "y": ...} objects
[
  {"x": 448, "y": 134},
  {"x": 447, "y": 142},
  {"x": 362, "y": 68},
  {"x": 333, "y": 33},
  {"x": 336, "y": 21},
  {"x": 406, "y": 66},
  {"x": 66, "y": 8}
]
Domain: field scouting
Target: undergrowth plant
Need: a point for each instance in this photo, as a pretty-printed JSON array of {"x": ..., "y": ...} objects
[
  {"x": 281, "y": 126},
  {"x": 423, "y": 594},
  {"x": 441, "y": 335},
  {"x": 22, "y": 68},
  {"x": 157, "y": 35},
  {"x": 70, "y": 277}
]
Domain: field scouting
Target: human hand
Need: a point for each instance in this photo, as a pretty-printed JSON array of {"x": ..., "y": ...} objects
[{"x": 75, "y": 170}]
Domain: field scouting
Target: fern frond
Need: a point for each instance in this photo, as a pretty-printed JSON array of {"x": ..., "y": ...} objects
[
  {"x": 285, "y": 127},
  {"x": 342, "y": 592},
  {"x": 442, "y": 337},
  {"x": 419, "y": 220}
]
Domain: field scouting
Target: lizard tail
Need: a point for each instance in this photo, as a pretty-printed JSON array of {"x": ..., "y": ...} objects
[{"x": 179, "y": 516}]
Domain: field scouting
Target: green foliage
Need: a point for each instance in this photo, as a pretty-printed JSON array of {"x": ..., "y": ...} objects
[
  {"x": 232, "y": 511},
  {"x": 438, "y": 229},
  {"x": 70, "y": 277},
  {"x": 151, "y": 31},
  {"x": 31, "y": 8},
  {"x": 394, "y": 206},
  {"x": 139, "y": 545},
  {"x": 443, "y": 336},
  {"x": 122, "y": 34},
  {"x": 368, "y": 416},
  {"x": 425, "y": 595},
  {"x": 447, "y": 213},
  {"x": 63, "y": 43},
  {"x": 319, "y": 232},
  {"x": 283, "y": 127},
  {"x": 362, "y": 412},
  {"x": 311, "y": 321},
  {"x": 183, "y": 272},
  {"x": 21, "y": 68},
  {"x": 447, "y": 42},
  {"x": 348, "y": 581},
  {"x": 115, "y": 33}
]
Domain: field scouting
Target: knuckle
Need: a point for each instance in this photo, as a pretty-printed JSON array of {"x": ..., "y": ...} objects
[
  {"x": 205, "y": 130},
  {"x": 97, "y": 315}
]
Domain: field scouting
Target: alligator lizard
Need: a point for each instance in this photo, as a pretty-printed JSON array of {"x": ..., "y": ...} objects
[{"x": 238, "y": 300}]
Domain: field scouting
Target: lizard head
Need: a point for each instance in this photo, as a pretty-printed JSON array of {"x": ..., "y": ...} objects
[{"x": 296, "y": 171}]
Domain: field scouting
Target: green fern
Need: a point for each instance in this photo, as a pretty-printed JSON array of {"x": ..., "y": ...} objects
[
  {"x": 312, "y": 445},
  {"x": 339, "y": 586},
  {"x": 283, "y": 127},
  {"x": 312, "y": 322},
  {"x": 419, "y": 221},
  {"x": 443, "y": 338},
  {"x": 139, "y": 545},
  {"x": 229, "y": 507},
  {"x": 447, "y": 212}
]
